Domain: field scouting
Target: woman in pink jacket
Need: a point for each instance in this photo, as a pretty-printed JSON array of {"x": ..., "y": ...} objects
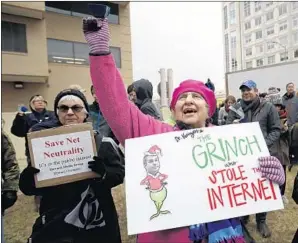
[{"x": 192, "y": 105}]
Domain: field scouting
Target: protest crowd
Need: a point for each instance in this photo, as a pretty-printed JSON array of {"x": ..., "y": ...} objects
[{"x": 84, "y": 211}]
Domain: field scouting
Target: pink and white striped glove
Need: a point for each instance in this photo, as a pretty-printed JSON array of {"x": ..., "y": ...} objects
[
  {"x": 272, "y": 169},
  {"x": 97, "y": 34}
]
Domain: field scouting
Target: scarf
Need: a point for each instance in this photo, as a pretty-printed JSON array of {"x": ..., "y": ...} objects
[
  {"x": 282, "y": 114},
  {"x": 222, "y": 231}
]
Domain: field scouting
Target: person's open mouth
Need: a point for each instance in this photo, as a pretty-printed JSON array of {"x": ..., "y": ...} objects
[{"x": 189, "y": 111}]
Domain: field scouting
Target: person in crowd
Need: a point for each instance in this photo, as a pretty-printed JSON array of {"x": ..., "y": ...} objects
[
  {"x": 263, "y": 96},
  {"x": 78, "y": 87},
  {"x": 290, "y": 101},
  {"x": 140, "y": 92},
  {"x": 224, "y": 111},
  {"x": 214, "y": 118},
  {"x": 132, "y": 93},
  {"x": 295, "y": 198},
  {"x": 9, "y": 175},
  {"x": 273, "y": 95},
  {"x": 23, "y": 122},
  {"x": 82, "y": 211},
  {"x": 283, "y": 143},
  {"x": 98, "y": 121},
  {"x": 252, "y": 109},
  {"x": 293, "y": 145},
  {"x": 192, "y": 105}
]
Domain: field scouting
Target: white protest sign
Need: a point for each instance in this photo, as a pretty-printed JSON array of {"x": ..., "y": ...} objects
[
  {"x": 197, "y": 176},
  {"x": 62, "y": 154}
]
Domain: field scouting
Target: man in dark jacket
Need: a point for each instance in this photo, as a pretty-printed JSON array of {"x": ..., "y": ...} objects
[
  {"x": 290, "y": 101},
  {"x": 98, "y": 121},
  {"x": 144, "y": 92},
  {"x": 81, "y": 211},
  {"x": 252, "y": 109}
]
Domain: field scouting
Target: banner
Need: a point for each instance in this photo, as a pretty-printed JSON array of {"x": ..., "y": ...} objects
[
  {"x": 196, "y": 176},
  {"x": 62, "y": 154}
]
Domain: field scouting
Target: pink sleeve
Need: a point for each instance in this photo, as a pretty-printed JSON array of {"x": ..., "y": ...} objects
[
  {"x": 144, "y": 181},
  {"x": 162, "y": 177},
  {"x": 124, "y": 118}
]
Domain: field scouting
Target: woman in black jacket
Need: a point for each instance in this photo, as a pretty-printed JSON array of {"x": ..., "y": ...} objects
[{"x": 82, "y": 211}]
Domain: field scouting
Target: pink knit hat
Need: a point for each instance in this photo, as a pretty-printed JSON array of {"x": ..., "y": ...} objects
[{"x": 195, "y": 86}]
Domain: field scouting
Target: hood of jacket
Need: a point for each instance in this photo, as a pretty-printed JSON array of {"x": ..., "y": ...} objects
[{"x": 144, "y": 91}]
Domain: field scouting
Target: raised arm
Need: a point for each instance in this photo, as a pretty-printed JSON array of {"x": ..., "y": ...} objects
[{"x": 124, "y": 118}]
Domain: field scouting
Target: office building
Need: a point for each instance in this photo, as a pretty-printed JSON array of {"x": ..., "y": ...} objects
[{"x": 259, "y": 33}]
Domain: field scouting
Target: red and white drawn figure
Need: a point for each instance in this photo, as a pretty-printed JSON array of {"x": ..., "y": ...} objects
[{"x": 155, "y": 180}]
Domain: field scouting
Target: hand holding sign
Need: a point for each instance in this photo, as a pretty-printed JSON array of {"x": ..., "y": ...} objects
[{"x": 97, "y": 165}]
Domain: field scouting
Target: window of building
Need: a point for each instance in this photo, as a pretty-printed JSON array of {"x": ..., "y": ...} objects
[
  {"x": 270, "y": 46},
  {"x": 80, "y": 9},
  {"x": 247, "y": 25},
  {"x": 13, "y": 37},
  {"x": 234, "y": 64},
  {"x": 282, "y": 9},
  {"x": 226, "y": 17},
  {"x": 247, "y": 39},
  {"x": 233, "y": 40},
  {"x": 260, "y": 48},
  {"x": 260, "y": 62},
  {"x": 259, "y": 34},
  {"x": 271, "y": 59},
  {"x": 269, "y": 15},
  {"x": 68, "y": 52},
  {"x": 258, "y": 21},
  {"x": 283, "y": 25},
  {"x": 227, "y": 53},
  {"x": 294, "y": 5},
  {"x": 283, "y": 40},
  {"x": 270, "y": 30},
  {"x": 296, "y": 53},
  {"x": 246, "y": 9},
  {"x": 248, "y": 65},
  {"x": 295, "y": 37},
  {"x": 232, "y": 13},
  {"x": 248, "y": 52},
  {"x": 295, "y": 21},
  {"x": 283, "y": 56},
  {"x": 258, "y": 6},
  {"x": 268, "y": 4}
]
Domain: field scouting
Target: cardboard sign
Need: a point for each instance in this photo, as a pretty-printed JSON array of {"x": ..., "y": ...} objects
[
  {"x": 62, "y": 154},
  {"x": 196, "y": 176}
]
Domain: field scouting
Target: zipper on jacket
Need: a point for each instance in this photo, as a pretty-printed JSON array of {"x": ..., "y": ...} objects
[
  {"x": 43, "y": 219},
  {"x": 30, "y": 240}
]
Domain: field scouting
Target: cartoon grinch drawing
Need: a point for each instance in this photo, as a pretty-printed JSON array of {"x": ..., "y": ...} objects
[{"x": 154, "y": 180}]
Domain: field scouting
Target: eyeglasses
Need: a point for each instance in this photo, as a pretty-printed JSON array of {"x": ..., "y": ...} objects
[{"x": 75, "y": 108}]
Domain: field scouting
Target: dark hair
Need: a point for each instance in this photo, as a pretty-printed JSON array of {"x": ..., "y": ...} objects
[
  {"x": 130, "y": 88},
  {"x": 262, "y": 95},
  {"x": 231, "y": 98},
  {"x": 92, "y": 89}
]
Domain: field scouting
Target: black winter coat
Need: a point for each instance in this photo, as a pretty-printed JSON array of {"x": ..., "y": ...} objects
[
  {"x": 144, "y": 92},
  {"x": 58, "y": 201},
  {"x": 267, "y": 116}
]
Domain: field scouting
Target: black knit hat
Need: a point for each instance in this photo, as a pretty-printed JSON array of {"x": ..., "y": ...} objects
[{"x": 74, "y": 92}]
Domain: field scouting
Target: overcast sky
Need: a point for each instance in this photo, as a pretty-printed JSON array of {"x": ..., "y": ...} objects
[{"x": 184, "y": 36}]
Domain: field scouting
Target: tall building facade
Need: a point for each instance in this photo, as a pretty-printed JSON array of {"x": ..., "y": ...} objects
[
  {"x": 44, "y": 51},
  {"x": 259, "y": 33}
]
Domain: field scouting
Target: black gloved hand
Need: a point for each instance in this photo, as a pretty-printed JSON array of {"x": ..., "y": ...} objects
[
  {"x": 97, "y": 165},
  {"x": 27, "y": 182},
  {"x": 8, "y": 199}
]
